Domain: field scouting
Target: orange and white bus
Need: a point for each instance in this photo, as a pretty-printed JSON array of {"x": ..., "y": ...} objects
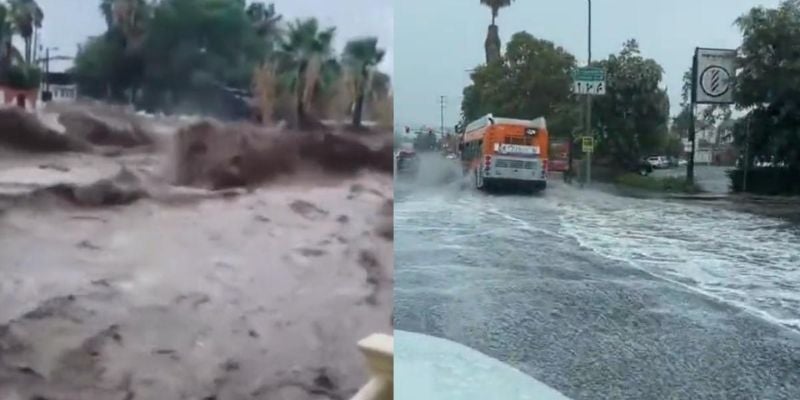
[{"x": 506, "y": 152}]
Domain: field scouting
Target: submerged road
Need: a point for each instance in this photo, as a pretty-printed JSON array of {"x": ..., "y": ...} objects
[{"x": 602, "y": 296}]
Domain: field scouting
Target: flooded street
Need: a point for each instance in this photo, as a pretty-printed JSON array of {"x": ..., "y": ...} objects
[
  {"x": 118, "y": 284},
  {"x": 602, "y": 296}
]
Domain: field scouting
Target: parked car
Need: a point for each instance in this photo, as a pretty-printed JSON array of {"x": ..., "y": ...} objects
[
  {"x": 658, "y": 161},
  {"x": 683, "y": 163},
  {"x": 641, "y": 167}
]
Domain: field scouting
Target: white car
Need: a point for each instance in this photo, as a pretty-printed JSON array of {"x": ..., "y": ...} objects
[
  {"x": 658, "y": 161},
  {"x": 435, "y": 368}
]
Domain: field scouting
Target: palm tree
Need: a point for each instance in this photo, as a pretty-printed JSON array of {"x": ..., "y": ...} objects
[
  {"x": 27, "y": 17},
  {"x": 127, "y": 22},
  {"x": 129, "y": 17},
  {"x": 264, "y": 18},
  {"x": 361, "y": 56},
  {"x": 8, "y": 53},
  {"x": 107, "y": 9},
  {"x": 304, "y": 56},
  {"x": 492, "y": 43},
  {"x": 265, "y": 21}
]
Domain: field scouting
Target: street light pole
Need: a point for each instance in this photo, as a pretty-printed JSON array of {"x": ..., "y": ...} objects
[
  {"x": 589, "y": 100},
  {"x": 441, "y": 113}
]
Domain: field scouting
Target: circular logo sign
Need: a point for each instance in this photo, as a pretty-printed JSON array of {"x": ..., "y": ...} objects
[{"x": 714, "y": 81}]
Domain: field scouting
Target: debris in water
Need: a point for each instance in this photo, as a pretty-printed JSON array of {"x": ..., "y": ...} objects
[
  {"x": 85, "y": 244},
  {"x": 311, "y": 252},
  {"x": 307, "y": 209}
]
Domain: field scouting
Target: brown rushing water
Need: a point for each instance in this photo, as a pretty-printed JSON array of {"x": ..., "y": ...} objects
[{"x": 263, "y": 294}]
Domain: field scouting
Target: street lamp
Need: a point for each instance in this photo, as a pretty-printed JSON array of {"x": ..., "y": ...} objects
[{"x": 47, "y": 64}]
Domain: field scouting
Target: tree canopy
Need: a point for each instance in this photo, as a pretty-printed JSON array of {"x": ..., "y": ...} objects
[
  {"x": 206, "y": 55},
  {"x": 630, "y": 120},
  {"x": 768, "y": 83},
  {"x": 532, "y": 79}
]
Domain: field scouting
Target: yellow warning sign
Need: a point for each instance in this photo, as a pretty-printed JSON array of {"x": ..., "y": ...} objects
[{"x": 588, "y": 144}]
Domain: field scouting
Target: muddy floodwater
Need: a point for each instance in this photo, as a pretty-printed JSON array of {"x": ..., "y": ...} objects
[{"x": 261, "y": 293}]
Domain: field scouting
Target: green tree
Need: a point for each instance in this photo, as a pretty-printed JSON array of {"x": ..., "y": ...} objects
[
  {"x": 194, "y": 49},
  {"x": 531, "y": 80},
  {"x": 129, "y": 17},
  {"x": 630, "y": 120},
  {"x": 361, "y": 56},
  {"x": 307, "y": 62},
  {"x": 265, "y": 19},
  {"x": 492, "y": 43},
  {"x": 94, "y": 68},
  {"x": 127, "y": 23},
  {"x": 769, "y": 83},
  {"x": 8, "y": 53}
]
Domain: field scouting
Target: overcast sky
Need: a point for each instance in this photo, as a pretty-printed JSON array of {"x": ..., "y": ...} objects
[
  {"x": 436, "y": 41},
  {"x": 69, "y": 22}
]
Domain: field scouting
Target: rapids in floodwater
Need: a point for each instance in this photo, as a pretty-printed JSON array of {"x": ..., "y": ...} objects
[{"x": 118, "y": 283}]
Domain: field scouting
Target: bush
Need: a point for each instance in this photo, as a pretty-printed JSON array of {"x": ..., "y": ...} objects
[
  {"x": 661, "y": 184},
  {"x": 767, "y": 180},
  {"x": 23, "y": 77}
]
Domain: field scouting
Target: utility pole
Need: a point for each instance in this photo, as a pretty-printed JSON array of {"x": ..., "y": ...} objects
[
  {"x": 746, "y": 155},
  {"x": 47, "y": 70},
  {"x": 589, "y": 102},
  {"x": 442, "y": 101}
]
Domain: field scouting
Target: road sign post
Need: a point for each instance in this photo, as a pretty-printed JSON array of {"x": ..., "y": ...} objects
[
  {"x": 589, "y": 81},
  {"x": 587, "y": 143},
  {"x": 712, "y": 83}
]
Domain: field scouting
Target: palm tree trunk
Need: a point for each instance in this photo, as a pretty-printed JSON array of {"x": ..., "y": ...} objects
[
  {"x": 300, "y": 90},
  {"x": 35, "y": 44},
  {"x": 359, "y": 106},
  {"x": 27, "y": 50},
  {"x": 359, "y": 109}
]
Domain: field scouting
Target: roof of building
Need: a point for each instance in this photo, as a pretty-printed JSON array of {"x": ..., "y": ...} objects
[{"x": 59, "y": 78}]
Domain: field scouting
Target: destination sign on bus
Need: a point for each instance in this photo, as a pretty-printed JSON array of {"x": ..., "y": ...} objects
[{"x": 505, "y": 148}]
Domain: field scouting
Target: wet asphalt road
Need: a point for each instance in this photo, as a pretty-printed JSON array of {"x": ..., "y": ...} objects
[{"x": 603, "y": 297}]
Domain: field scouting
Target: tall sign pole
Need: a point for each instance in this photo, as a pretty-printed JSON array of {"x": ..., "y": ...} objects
[
  {"x": 589, "y": 100},
  {"x": 692, "y": 127},
  {"x": 589, "y": 81},
  {"x": 713, "y": 71}
]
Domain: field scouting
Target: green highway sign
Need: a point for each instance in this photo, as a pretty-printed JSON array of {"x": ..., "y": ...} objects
[
  {"x": 589, "y": 81},
  {"x": 589, "y": 74}
]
